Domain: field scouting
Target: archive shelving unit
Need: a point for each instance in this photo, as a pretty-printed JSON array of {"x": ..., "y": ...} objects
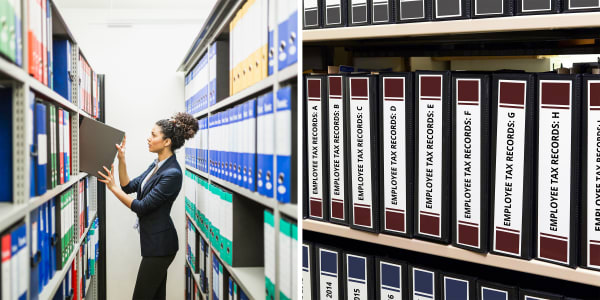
[
  {"x": 250, "y": 279},
  {"x": 17, "y": 77},
  {"x": 517, "y": 36}
]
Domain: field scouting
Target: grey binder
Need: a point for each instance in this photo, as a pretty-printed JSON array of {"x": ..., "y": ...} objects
[{"x": 97, "y": 145}]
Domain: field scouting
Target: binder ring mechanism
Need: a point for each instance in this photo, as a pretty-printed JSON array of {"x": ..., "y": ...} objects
[{"x": 36, "y": 259}]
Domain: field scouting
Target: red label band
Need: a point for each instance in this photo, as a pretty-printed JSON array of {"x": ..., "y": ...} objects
[
  {"x": 394, "y": 221},
  {"x": 468, "y": 90},
  {"x": 594, "y": 93},
  {"x": 362, "y": 216},
  {"x": 554, "y": 249},
  {"x": 431, "y": 86},
  {"x": 335, "y": 86},
  {"x": 429, "y": 224},
  {"x": 314, "y": 88},
  {"x": 468, "y": 235},
  {"x": 512, "y": 93},
  {"x": 594, "y": 254},
  {"x": 359, "y": 87},
  {"x": 507, "y": 242},
  {"x": 393, "y": 87},
  {"x": 555, "y": 93},
  {"x": 316, "y": 208},
  {"x": 337, "y": 209}
]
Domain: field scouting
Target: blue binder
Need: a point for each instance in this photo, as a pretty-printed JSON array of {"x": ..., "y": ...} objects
[
  {"x": 68, "y": 139},
  {"x": 282, "y": 32},
  {"x": 43, "y": 245},
  {"x": 62, "y": 72},
  {"x": 252, "y": 153},
  {"x": 458, "y": 287},
  {"x": 283, "y": 144},
  {"x": 216, "y": 276},
  {"x": 423, "y": 283},
  {"x": 40, "y": 140},
  {"x": 34, "y": 282},
  {"x": 52, "y": 244},
  {"x": 240, "y": 148},
  {"x": 6, "y": 185},
  {"x": 391, "y": 280},
  {"x": 292, "y": 50}
]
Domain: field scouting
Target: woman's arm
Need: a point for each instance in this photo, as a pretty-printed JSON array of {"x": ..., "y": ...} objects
[{"x": 123, "y": 177}]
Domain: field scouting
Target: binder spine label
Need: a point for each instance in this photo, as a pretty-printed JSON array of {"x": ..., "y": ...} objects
[
  {"x": 455, "y": 288},
  {"x": 510, "y": 159},
  {"x": 380, "y": 11},
  {"x": 554, "y": 170},
  {"x": 412, "y": 9},
  {"x": 491, "y": 293},
  {"x": 357, "y": 277},
  {"x": 391, "y": 281},
  {"x": 359, "y": 11},
  {"x": 468, "y": 162},
  {"x": 448, "y": 8},
  {"x": 423, "y": 284},
  {"x": 430, "y": 154},
  {"x": 583, "y": 4},
  {"x": 394, "y": 154},
  {"x": 315, "y": 148},
  {"x": 328, "y": 276},
  {"x": 535, "y": 5},
  {"x": 333, "y": 12},
  {"x": 306, "y": 269},
  {"x": 311, "y": 13},
  {"x": 360, "y": 139},
  {"x": 489, "y": 7},
  {"x": 593, "y": 180},
  {"x": 336, "y": 152}
]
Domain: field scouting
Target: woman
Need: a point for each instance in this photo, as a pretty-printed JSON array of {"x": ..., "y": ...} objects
[{"x": 156, "y": 190}]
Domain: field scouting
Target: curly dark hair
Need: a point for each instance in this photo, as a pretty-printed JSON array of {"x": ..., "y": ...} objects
[{"x": 181, "y": 127}]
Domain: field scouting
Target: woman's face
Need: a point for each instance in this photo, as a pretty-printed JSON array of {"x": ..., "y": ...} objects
[{"x": 156, "y": 141}]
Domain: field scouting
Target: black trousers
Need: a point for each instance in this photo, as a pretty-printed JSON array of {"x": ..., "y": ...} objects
[{"x": 151, "y": 280}]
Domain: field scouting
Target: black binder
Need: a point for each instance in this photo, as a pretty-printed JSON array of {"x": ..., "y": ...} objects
[
  {"x": 361, "y": 141},
  {"x": 316, "y": 163},
  {"x": 396, "y": 138},
  {"x": 329, "y": 276},
  {"x": 456, "y": 286},
  {"x": 590, "y": 150},
  {"x": 391, "y": 279},
  {"x": 335, "y": 13},
  {"x": 470, "y": 139},
  {"x": 383, "y": 12},
  {"x": 312, "y": 14},
  {"x": 359, "y": 12},
  {"x": 569, "y": 6},
  {"x": 413, "y": 11},
  {"x": 556, "y": 212},
  {"x": 433, "y": 156},
  {"x": 491, "y": 290},
  {"x": 537, "y": 7},
  {"x": 308, "y": 271},
  {"x": 512, "y": 164},
  {"x": 492, "y": 8},
  {"x": 451, "y": 9},
  {"x": 359, "y": 281},
  {"x": 423, "y": 283},
  {"x": 339, "y": 181}
]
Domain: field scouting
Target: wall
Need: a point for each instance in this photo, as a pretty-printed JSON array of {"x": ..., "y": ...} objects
[{"x": 142, "y": 86}]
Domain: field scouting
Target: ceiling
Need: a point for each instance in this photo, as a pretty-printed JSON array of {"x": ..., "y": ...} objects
[{"x": 137, "y": 4}]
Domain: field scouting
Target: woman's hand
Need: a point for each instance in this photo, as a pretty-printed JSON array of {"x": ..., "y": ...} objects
[
  {"x": 121, "y": 149},
  {"x": 108, "y": 178}
]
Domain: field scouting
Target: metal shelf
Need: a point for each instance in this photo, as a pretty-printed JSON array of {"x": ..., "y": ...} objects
[
  {"x": 468, "y": 26},
  {"x": 289, "y": 209},
  {"x": 536, "y": 267},
  {"x": 256, "y": 197},
  {"x": 11, "y": 213},
  {"x": 50, "y": 289},
  {"x": 284, "y": 75},
  {"x": 197, "y": 172},
  {"x": 8, "y": 70},
  {"x": 250, "y": 279},
  {"x": 39, "y": 200}
]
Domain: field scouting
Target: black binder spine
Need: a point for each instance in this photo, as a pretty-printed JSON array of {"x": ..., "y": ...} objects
[
  {"x": 423, "y": 283},
  {"x": 590, "y": 151},
  {"x": 512, "y": 164},
  {"x": 329, "y": 279},
  {"x": 339, "y": 181},
  {"x": 335, "y": 13},
  {"x": 570, "y": 6},
  {"x": 359, "y": 12},
  {"x": 316, "y": 146},
  {"x": 391, "y": 279},
  {"x": 433, "y": 156},
  {"x": 361, "y": 117},
  {"x": 312, "y": 14},
  {"x": 491, "y": 8},
  {"x": 471, "y": 163},
  {"x": 409, "y": 11},
  {"x": 308, "y": 271},
  {"x": 558, "y": 137},
  {"x": 451, "y": 9},
  {"x": 396, "y": 138},
  {"x": 537, "y": 7},
  {"x": 383, "y": 11},
  {"x": 358, "y": 276}
]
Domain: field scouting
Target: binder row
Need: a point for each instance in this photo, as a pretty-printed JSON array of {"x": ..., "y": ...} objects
[
  {"x": 11, "y": 41},
  {"x": 50, "y": 144},
  {"x": 81, "y": 270},
  {"x": 288, "y": 254},
  {"x": 223, "y": 283},
  {"x": 225, "y": 219},
  {"x": 89, "y": 92},
  {"x": 43, "y": 247},
  {"x": 332, "y": 273},
  {"x": 39, "y": 41},
  {"x": 14, "y": 263},
  {"x": 241, "y": 145},
  {"x": 201, "y": 88},
  {"x": 197, "y": 255},
  {"x": 192, "y": 291},
  {"x": 6, "y": 134},
  {"x": 341, "y": 13},
  {"x": 500, "y": 163}
]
